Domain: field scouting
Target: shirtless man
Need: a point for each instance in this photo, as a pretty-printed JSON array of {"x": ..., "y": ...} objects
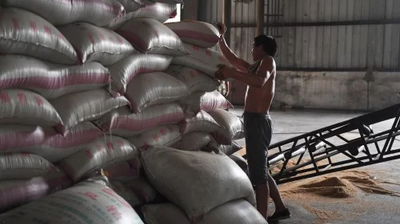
[{"x": 260, "y": 80}]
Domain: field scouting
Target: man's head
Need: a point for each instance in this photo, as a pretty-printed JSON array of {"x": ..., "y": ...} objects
[{"x": 263, "y": 45}]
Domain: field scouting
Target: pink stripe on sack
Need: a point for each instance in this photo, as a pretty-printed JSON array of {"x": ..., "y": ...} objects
[
  {"x": 128, "y": 124},
  {"x": 114, "y": 9},
  {"x": 73, "y": 139},
  {"x": 56, "y": 82},
  {"x": 28, "y": 191},
  {"x": 133, "y": 75},
  {"x": 48, "y": 138},
  {"x": 21, "y": 139},
  {"x": 196, "y": 35},
  {"x": 134, "y": 40}
]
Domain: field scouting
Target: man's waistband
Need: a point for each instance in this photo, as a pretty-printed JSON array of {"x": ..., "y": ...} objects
[{"x": 252, "y": 114}]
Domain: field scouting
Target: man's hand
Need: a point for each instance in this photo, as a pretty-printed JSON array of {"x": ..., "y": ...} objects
[
  {"x": 224, "y": 72},
  {"x": 222, "y": 28}
]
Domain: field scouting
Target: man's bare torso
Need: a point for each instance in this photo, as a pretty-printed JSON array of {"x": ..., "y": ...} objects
[{"x": 259, "y": 100}]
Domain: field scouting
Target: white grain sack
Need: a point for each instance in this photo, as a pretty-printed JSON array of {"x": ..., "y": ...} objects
[
  {"x": 209, "y": 101},
  {"x": 22, "y": 32},
  {"x": 84, "y": 106},
  {"x": 151, "y": 36},
  {"x": 99, "y": 12},
  {"x": 86, "y": 202},
  {"x": 166, "y": 135},
  {"x": 234, "y": 212},
  {"x": 198, "y": 33},
  {"x": 197, "y": 182},
  {"x": 194, "y": 79},
  {"x": 123, "y": 122},
  {"x": 202, "y": 59},
  {"x": 48, "y": 79},
  {"x": 126, "y": 69},
  {"x": 99, "y": 154},
  {"x": 23, "y": 166},
  {"x": 96, "y": 44},
  {"x": 201, "y": 122},
  {"x": 232, "y": 128},
  {"x": 24, "y": 107},
  {"x": 150, "y": 89}
]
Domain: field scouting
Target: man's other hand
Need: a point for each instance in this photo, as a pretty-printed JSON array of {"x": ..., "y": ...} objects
[{"x": 223, "y": 72}]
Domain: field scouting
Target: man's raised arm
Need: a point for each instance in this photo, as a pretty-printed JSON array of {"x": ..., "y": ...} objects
[{"x": 234, "y": 60}]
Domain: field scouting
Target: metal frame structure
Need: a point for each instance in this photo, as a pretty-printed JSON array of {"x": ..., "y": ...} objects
[{"x": 330, "y": 151}]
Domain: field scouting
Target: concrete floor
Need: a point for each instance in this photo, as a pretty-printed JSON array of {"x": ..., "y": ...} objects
[{"x": 365, "y": 207}]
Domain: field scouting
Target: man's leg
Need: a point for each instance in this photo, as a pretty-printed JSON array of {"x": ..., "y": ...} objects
[
  {"x": 262, "y": 197},
  {"x": 257, "y": 159},
  {"x": 275, "y": 195}
]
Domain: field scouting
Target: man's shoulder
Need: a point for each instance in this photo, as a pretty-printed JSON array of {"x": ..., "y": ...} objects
[
  {"x": 268, "y": 59},
  {"x": 268, "y": 62}
]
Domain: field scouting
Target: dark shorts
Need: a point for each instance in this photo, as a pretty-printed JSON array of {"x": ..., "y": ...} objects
[{"x": 258, "y": 134}]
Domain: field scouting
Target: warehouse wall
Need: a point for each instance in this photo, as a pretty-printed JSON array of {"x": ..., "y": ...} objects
[{"x": 310, "y": 49}]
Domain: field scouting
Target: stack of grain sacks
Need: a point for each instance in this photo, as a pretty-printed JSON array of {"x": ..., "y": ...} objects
[
  {"x": 53, "y": 83},
  {"x": 88, "y": 85}
]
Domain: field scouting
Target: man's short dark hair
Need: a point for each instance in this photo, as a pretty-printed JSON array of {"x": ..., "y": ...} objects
[{"x": 268, "y": 43}]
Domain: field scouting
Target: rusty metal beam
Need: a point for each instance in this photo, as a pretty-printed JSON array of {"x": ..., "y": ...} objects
[
  {"x": 334, "y": 23},
  {"x": 260, "y": 16},
  {"x": 226, "y": 19}
]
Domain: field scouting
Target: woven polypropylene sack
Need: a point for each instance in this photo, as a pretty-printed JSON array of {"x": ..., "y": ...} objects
[
  {"x": 84, "y": 106},
  {"x": 46, "y": 142},
  {"x": 126, "y": 69},
  {"x": 14, "y": 193},
  {"x": 27, "y": 108},
  {"x": 131, "y": 5},
  {"x": 126, "y": 193},
  {"x": 228, "y": 149},
  {"x": 86, "y": 202},
  {"x": 240, "y": 161},
  {"x": 232, "y": 127},
  {"x": 123, "y": 122},
  {"x": 201, "y": 122},
  {"x": 154, "y": 88},
  {"x": 122, "y": 171},
  {"x": 101, "y": 153},
  {"x": 142, "y": 188},
  {"x": 23, "y": 166},
  {"x": 48, "y": 79},
  {"x": 194, "y": 79},
  {"x": 234, "y": 212},
  {"x": 209, "y": 101},
  {"x": 23, "y": 32},
  {"x": 169, "y": 1},
  {"x": 198, "y": 33},
  {"x": 166, "y": 135},
  {"x": 96, "y": 44},
  {"x": 193, "y": 141},
  {"x": 175, "y": 174},
  {"x": 151, "y": 36},
  {"x": 202, "y": 59},
  {"x": 157, "y": 11},
  {"x": 99, "y": 12}
]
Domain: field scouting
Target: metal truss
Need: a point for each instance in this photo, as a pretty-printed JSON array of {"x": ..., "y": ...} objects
[{"x": 345, "y": 145}]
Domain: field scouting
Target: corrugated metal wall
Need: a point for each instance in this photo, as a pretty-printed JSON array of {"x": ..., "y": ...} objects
[{"x": 334, "y": 47}]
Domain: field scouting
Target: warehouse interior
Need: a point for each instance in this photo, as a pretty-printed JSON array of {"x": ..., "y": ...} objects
[{"x": 113, "y": 111}]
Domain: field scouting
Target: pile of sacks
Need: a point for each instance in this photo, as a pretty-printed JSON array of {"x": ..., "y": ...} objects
[{"x": 106, "y": 85}]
